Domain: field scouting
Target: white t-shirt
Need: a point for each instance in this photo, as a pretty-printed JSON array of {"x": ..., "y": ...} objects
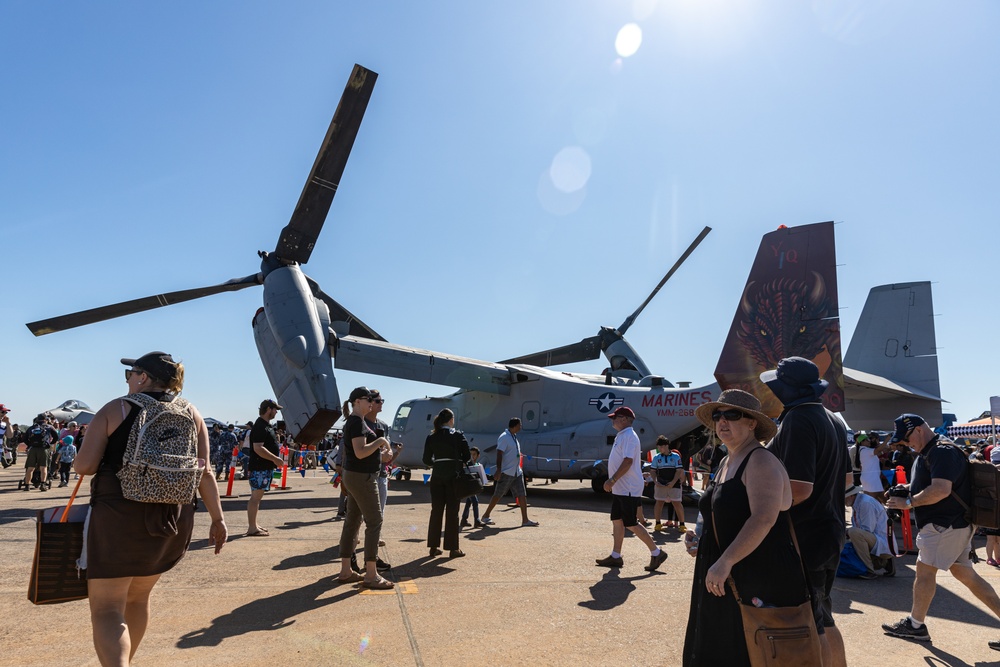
[
  {"x": 870, "y": 472},
  {"x": 507, "y": 445},
  {"x": 626, "y": 447}
]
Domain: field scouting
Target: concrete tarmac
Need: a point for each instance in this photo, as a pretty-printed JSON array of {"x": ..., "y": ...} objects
[{"x": 521, "y": 596}]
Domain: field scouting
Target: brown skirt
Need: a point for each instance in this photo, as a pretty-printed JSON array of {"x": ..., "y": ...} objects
[{"x": 130, "y": 539}]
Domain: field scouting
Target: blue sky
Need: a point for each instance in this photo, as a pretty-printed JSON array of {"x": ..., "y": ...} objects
[{"x": 516, "y": 182}]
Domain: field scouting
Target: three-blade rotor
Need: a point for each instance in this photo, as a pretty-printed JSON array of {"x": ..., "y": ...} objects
[{"x": 591, "y": 348}]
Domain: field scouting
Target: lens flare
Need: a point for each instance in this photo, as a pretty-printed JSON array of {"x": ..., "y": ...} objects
[
  {"x": 365, "y": 641},
  {"x": 628, "y": 40}
]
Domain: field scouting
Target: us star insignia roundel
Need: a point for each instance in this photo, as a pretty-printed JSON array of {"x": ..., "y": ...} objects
[{"x": 606, "y": 402}]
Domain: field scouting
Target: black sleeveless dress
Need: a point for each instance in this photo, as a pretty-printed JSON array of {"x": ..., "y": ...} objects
[
  {"x": 772, "y": 572},
  {"x": 126, "y": 538}
]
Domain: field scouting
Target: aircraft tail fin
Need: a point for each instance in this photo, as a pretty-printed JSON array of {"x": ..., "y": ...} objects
[
  {"x": 789, "y": 307},
  {"x": 895, "y": 337}
]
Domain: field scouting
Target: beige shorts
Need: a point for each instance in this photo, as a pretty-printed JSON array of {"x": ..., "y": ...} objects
[
  {"x": 667, "y": 493},
  {"x": 943, "y": 547}
]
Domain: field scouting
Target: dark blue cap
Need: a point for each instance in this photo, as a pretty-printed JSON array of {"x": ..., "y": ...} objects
[{"x": 904, "y": 424}]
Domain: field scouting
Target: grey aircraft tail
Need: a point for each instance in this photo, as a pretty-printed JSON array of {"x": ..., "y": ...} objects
[{"x": 891, "y": 365}]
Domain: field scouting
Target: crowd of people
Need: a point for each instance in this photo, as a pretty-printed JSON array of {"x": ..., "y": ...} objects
[{"x": 771, "y": 520}]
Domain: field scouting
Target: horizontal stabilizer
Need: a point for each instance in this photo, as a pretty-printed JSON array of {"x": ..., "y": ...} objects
[
  {"x": 408, "y": 363},
  {"x": 872, "y": 401}
]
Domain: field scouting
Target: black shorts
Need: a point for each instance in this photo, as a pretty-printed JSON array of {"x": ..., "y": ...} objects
[{"x": 623, "y": 509}]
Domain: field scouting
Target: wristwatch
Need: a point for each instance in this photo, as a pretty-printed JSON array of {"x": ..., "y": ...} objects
[{"x": 909, "y": 501}]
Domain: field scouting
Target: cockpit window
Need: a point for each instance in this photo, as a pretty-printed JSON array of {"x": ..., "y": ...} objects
[{"x": 399, "y": 423}]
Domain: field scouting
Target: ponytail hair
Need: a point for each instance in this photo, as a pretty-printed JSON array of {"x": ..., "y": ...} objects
[
  {"x": 347, "y": 409},
  {"x": 443, "y": 418}
]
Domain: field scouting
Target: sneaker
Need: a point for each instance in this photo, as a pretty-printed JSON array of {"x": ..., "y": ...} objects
[
  {"x": 906, "y": 630},
  {"x": 890, "y": 567},
  {"x": 994, "y": 645},
  {"x": 354, "y": 563},
  {"x": 646, "y": 523},
  {"x": 990, "y": 561},
  {"x": 682, "y": 528},
  {"x": 478, "y": 524},
  {"x": 381, "y": 564},
  {"x": 340, "y": 517},
  {"x": 658, "y": 527},
  {"x": 611, "y": 562},
  {"x": 656, "y": 561},
  {"x": 465, "y": 524},
  {"x": 487, "y": 521},
  {"x": 868, "y": 574}
]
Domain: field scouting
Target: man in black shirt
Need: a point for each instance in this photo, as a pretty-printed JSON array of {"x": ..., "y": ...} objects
[
  {"x": 812, "y": 443},
  {"x": 944, "y": 534},
  {"x": 264, "y": 458}
]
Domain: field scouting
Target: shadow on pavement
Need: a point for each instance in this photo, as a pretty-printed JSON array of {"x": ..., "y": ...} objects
[
  {"x": 611, "y": 591},
  {"x": 272, "y": 613}
]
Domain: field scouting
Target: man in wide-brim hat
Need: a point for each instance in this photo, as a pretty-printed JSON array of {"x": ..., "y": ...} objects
[{"x": 812, "y": 443}]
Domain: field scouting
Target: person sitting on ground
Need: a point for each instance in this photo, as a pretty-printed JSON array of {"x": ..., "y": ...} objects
[{"x": 869, "y": 533}]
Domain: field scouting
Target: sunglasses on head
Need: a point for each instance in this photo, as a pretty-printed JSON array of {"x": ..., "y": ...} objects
[{"x": 730, "y": 415}]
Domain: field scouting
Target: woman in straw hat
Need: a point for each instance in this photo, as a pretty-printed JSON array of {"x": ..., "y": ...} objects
[{"x": 746, "y": 534}]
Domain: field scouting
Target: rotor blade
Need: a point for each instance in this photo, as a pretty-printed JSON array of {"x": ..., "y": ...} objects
[
  {"x": 103, "y": 313},
  {"x": 630, "y": 320},
  {"x": 586, "y": 350},
  {"x": 338, "y": 313},
  {"x": 299, "y": 236}
]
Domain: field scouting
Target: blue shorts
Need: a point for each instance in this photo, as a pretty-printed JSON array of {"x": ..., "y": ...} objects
[{"x": 261, "y": 479}]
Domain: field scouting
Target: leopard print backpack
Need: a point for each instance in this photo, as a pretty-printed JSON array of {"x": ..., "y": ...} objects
[{"x": 161, "y": 455}]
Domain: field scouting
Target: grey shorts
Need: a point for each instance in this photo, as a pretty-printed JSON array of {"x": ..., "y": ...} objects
[
  {"x": 942, "y": 547},
  {"x": 507, "y": 483}
]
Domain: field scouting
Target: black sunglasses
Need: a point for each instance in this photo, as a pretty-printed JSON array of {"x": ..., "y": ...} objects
[
  {"x": 130, "y": 371},
  {"x": 377, "y": 400},
  {"x": 729, "y": 415}
]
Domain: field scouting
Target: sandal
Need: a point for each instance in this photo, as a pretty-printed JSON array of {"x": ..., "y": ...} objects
[
  {"x": 262, "y": 532},
  {"x": 352, "y": 578},
  {"x": 380, "y": 583}
]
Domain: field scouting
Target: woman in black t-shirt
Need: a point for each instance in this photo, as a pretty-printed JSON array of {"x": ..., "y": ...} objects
[
  {"x": 362, "y": 455},
  {"x": 446, "y": 452}
]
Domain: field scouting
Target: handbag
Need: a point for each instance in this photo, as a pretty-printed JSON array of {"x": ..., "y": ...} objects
[
  {"x": 55, "y": 576},
  {"x": 467, "y": 484},
  {"x": 779, "y": 636}
]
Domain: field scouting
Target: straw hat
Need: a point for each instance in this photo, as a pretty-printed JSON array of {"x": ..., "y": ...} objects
[{"x": 740, "y": 400}]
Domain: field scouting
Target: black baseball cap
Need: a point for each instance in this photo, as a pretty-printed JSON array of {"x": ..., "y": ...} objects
[
  {"x": 158, "y": 364},
  {"x": 269, "y": 403}
]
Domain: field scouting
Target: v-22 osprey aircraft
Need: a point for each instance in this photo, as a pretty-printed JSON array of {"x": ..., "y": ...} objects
[{"x": 788, "y": 307}]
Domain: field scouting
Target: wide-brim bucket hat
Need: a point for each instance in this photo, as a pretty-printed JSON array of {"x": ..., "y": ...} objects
[{"x": 746, "y": 403}]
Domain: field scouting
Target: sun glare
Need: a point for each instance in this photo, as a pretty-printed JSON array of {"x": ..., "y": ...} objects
[{"x": 628, "y": 40}]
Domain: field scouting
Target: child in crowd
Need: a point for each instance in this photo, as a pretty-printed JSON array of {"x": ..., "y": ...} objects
[
  {"x": 473, "y": 501},
  {"x": 65, "y": 457},
  {"x": 668, "y": 473}
]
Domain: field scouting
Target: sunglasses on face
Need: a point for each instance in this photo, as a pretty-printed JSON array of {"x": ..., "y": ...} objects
[
  {"x": 378, "y": 400},
  {"x": 130, "y": 371},
  {"x": 728, "y": 415}
]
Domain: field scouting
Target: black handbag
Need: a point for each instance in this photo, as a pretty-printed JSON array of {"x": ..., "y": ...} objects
[
  {"x": 55, "y": 576},
  {"x": 467, "y": 484}
]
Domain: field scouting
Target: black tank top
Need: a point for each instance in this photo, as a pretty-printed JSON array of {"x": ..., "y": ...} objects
[{"x": 114, "y": 453}]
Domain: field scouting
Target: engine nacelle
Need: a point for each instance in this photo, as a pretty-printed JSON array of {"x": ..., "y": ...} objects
[{"x": 290, "y": 332}]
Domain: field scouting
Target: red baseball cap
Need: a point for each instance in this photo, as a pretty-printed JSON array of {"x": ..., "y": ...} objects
[{"x": 622, "y": 412}]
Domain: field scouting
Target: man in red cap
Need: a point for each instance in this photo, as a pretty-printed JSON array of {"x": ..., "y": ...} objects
[{"x": 625, "y": 483}]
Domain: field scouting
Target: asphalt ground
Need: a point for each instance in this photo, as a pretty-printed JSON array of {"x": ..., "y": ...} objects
[{"x": 521, "y": 596}]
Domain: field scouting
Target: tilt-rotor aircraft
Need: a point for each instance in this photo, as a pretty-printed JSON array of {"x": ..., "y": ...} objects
[{"x": 788, "y": 307}]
